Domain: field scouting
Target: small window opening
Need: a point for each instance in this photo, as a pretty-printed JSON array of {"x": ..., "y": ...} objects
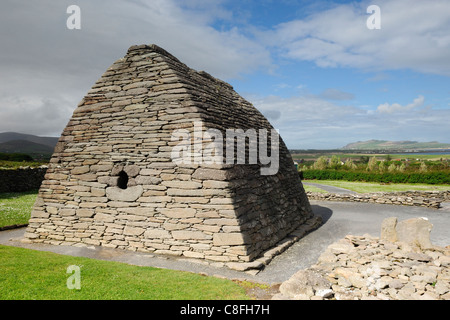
[{"x": 122, "y": 182}]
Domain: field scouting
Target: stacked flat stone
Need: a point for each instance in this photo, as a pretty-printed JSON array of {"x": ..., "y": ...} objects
[
  {"x": 429, "y": 199},
  {"x": 111, "y": 181}
]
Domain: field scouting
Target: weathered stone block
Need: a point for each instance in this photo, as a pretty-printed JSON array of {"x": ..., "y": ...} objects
[
  {"x": 175, "y": 226},
  {"x": 97, "y": 192},
  {"x": 207, "y": 228},
  {"x": 157, "y": 234},
  {"x": 184, "y": 192},
  {"x": 101, "y": 168},
  {"x": 179, "y": 213},
  {"x": 388, "y": 231},
  {"x": 133, "y": 231},
  {"x": 85, "y": 213},
  {"x": 193, "y": 254},
  {"x": 52, "y": 210},
  {"x": 229, "y": 239},
  {"x": 415, "y": 231},
  {"x": 132, "y": 170},
  {"x": 104, "y": 217},
  {"x": 221, "y": 222},
  {"x": 212, "y": 184},
  {"x": 40, "y": 214},
  {"x": 80, "y": 170},
  {"x": 87, "y": 177},
  {"x": 210, "y": 174},
  {"x": 147, "y": 180},
  {"x": 145, "y": 212},
  {"x": 190, "y": 235},
  {"x": 182, "y": 184},
  {"x": 129, "y": 194}
]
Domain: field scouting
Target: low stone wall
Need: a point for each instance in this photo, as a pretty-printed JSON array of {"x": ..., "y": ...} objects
[
  {"x": 430, "y": 199},
  {"x": 21, "y": 180}
]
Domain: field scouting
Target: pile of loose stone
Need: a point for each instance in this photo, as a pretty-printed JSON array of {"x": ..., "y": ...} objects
[{"x": 366, "y": 267}]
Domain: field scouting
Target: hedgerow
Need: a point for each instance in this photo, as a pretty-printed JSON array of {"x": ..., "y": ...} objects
[{"x": 441, "y": 177}]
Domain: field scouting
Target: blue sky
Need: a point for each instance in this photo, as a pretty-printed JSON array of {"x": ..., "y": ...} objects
[{"x": 312, "y": 67}]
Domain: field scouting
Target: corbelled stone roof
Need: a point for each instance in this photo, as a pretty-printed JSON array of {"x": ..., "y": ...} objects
[{"x": 113, "y": 181}]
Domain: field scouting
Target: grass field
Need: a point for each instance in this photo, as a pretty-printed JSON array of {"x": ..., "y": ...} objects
[
  {"x": 28, "y": 275},
  {"x": 367, "y": 187},
  {"x": 312, "y": 188},
  {"x": 15, "y": 208},
  {"x": 429, "y": 157}
]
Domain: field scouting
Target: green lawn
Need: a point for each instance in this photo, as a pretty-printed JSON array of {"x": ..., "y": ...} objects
[
  {"x": 313, "y": 189},
  {"x": 28, "y": 274},
  {"x": 367, "y": 187},
  {"x": 15, "y": 208}
]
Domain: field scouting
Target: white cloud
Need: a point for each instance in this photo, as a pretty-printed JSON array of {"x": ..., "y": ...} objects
[
  {"x": 45, "y": 66},
  {"x": 46, "y": 69},
  {"x": 335, "y": 94},
  {"x": 182, "y": 28},
  {"x": 311, "y": 122},
  {"x": 308, "y": 121},
  {"x": 35, "y": 115},
  {"x": 396, "y": 107},
  {"x": 413, "y": 35}
]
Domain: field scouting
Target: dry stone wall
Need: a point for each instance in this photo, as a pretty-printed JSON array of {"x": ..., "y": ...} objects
[
  {"x": 431, "y": 199},
  {"x": 112, "y": 181},
  {"x": 22, "y": 179}
]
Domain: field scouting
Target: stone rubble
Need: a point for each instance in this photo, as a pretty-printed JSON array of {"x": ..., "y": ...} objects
[{"x": 371, "y": 268}]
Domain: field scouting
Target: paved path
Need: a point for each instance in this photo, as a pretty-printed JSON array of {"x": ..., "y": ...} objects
[
  {"x": 340, "y": 219},
  {"x": 329, "y": 189}
]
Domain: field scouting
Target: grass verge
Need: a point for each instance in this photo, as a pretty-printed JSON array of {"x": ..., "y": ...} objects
[
  {"x": 15, "y": 208},
  {"x": 368, "y": 187},
  {"x": 29, "y": 274},
  {"x": 313, "y": 189}
]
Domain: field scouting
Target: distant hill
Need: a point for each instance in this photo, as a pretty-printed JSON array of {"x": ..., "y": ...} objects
[
  {"x": 11, "y": 136},
  {"x": 395, "y": 145},
  {"x": 23, "y": 146},
  {"x": 37, "y": 147}
]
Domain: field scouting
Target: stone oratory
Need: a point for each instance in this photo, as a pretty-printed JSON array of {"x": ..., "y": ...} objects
[{"x": 113, "y": 180}]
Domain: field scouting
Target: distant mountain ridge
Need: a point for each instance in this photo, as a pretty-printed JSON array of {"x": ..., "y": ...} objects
[
  {"x": 37, "y": 147},
  {"x": 11, "y": 136},
  {"x": 395, "y": 145}
]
